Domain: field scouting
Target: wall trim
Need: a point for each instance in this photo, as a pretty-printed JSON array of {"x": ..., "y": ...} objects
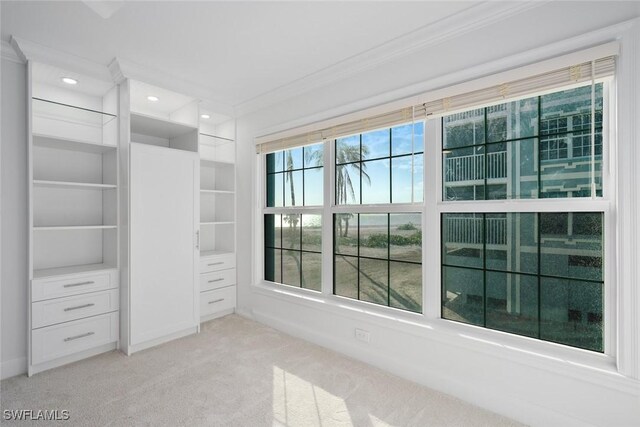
[
  {"x": 470, "y": 19},
  {"x": 13, "y": 367},
  {"x": 30, "y": 51},
  {"x": 408, "y": 95},
  {"x": 9, "y": 53},
  {"x": 120, "y": 68}
]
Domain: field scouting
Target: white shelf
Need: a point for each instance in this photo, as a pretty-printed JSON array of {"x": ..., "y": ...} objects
[
  {"x": 161, "y": 128},
  {"x": 204, "y": 254},
  {"x": 215, "y": 163},
  {"x": 47, "y": 141},
  {"x": 203, "y": 190},
  {"x": 68, "y": 184},
  {"x": 214, "y": 140},
  {"x": 61, "y": 271},
  {"x": 74, "y": 227},
  {"x": 218, "y": 223}
]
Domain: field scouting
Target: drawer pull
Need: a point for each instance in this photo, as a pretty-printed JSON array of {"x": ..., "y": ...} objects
[
  {"x": 216, "y": 263},
  {"x": 79, "y": 336},
  {"x": 216, "y": 280},
  {"x": 216, "y": 300},
  {"x": 79, "y": 307},
  {"x": 71, "y": 285}
]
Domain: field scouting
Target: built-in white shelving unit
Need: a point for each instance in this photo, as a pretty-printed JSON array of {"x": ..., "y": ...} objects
[
  {"x": 73, "y": 206},
  {"x": 160, "y": 254},
  {"x": 217, "y": 215}
]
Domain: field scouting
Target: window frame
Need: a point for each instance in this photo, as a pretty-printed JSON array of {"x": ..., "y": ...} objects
[
  {"x": 285, "y": 210},
  {"x": 435, "y": 203},
  {"x": 431, "y": 209}
]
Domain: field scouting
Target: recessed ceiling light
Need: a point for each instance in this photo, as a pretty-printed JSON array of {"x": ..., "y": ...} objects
[
  {"x": 205, "y": 116},
  {"x": 69, "y": 81},
  {"x": 152, "y": 98}
]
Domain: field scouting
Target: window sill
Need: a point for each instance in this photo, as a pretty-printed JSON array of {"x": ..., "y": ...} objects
[{"x": 580, "y": 364}]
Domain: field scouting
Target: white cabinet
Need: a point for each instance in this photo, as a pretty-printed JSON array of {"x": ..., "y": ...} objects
[
  {"x": 73, "y": 206},
  {"x": 217, "y": 218},
  {"x": 217, "y": 301},
  {"x": 159, "y": 246},
  {"x": 164, "y": 253},
  {"x": 65, "y": 339}
]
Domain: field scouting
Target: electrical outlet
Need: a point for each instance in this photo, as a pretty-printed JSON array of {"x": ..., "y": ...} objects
[{"x": 362, "y": 335}]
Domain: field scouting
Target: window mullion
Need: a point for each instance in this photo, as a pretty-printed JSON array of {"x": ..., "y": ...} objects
[
  {"x": 432, "y": 177},
  {"x": 327, "y": 216}
]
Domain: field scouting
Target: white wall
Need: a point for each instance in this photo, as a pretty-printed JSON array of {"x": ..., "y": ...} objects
[
  {"x": 13, "y": 154},
  {"x": 525, "y": 387}
]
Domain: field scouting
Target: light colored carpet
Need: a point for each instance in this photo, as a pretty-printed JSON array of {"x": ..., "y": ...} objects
[{"x": 238, "y": 373}]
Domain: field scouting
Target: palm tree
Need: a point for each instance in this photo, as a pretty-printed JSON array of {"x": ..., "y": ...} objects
[{"x": 348, "y": 156}]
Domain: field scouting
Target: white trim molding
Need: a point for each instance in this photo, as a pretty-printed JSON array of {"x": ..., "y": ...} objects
[
  {"x": 121, "y": 69},
  {"x": 13, "y": 367},
  {"x": 628, "y": 238},
  {"x": 473, "y": 18},
  {"x": 30, "y": 51},
  {"x": 9, "y": 53},
  {"x": 435, "y": 87}
]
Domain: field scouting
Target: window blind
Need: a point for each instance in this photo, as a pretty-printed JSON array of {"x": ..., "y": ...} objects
[
  {"x": 573, "y": 75},
  {"x": 390, "y": 119},
  {"x": 581, "y": 73}
]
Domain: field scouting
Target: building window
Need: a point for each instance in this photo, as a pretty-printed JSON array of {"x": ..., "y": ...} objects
[
  {"x": 293, "y": 239},
  {"x": 536, "y": 274},
  {"x": 528, "y": 274},
  {"x": 537, "y": 147}
]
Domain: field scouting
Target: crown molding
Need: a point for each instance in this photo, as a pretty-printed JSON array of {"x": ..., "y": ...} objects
[
  {"x": 416, "y": 93},
  {"x": 9, "y": 53},
  {"x": 121, "y": 69},
  {"x": 470, "y": 19},
  {"x": 30, "y": 51}
]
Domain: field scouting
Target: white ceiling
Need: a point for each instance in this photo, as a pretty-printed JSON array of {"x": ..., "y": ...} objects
[{"x": 237, "y": 50}]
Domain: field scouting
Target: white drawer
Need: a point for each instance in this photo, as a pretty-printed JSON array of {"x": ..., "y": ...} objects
[
  {"x": 45, "y": 313},
  {"x": 73, "y": 284},
  {"x": 217, "y": 300},
  {"x": 217, "y": 279},
  {"x": 217, "y": 262},
  {"x": 57, "y": 341}
]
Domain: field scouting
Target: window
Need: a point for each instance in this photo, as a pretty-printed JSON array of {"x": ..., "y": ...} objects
[
  {"x": 294, "y": 177},
  {"x": 526, "y": 273},
  {"x": 378, "y": 258},
  {"x": 506, "y": 181},
  {"x": 378, "y": 254},
  {"x": 382, "y": 166},
  {"x": 538, "y": 147},
  {"x": 536, "y": 274},
  {"x": 293, "y": 239},
  {"x": 293, "y": 250}
]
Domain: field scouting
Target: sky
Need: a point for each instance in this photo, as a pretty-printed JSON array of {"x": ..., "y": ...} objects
[{"x": 388, "y": 177}]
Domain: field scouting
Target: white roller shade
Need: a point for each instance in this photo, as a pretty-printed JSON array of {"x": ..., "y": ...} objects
[{"x": 588, "y": 66}]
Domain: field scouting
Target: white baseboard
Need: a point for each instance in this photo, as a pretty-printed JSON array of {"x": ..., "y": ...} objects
[
  {"x": 155, "y": 342},
  {"x": 217, "y": 315},
  {"x": 479, "y": 395},
  {"x": 13, "y": 367},
  {"x": 244, "y": 312},
  {"x": 35, "y": 369}
]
